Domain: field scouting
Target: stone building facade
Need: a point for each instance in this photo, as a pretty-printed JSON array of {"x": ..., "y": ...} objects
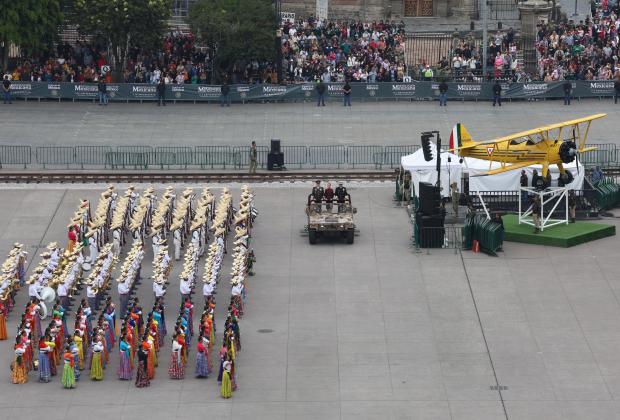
[{"x": 369, "y": 10}]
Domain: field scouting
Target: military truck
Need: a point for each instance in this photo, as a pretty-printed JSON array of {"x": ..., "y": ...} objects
[{"x": 330, "y": 220}]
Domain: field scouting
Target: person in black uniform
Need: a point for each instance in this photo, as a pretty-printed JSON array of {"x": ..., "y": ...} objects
[
  {"x": 572, "y": 205},
  {"x": 568, "y": 88},
  {"x": 536, "y": 213},
  {"x": 535, "y": 177},
  {"x": 341, "y": 194},
  {"x": 497, "y": 93}
]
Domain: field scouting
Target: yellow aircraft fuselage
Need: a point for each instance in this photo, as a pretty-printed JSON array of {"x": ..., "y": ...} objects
[{"x": 510, "y": 154}]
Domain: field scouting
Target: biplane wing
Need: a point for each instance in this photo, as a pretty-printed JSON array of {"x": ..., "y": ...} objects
[
  {"x": 506, "y": 168},
  {"x": 461, "y": 140}
]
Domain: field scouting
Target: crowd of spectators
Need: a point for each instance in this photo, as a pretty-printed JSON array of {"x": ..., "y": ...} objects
[
  {"x": 502, "y": 61},
  {"x": 584, "y": 51},
  {"x": 336, "y": 51},
  {"x": 354, "y": 51},
  {"x": 178, "y": 60}
]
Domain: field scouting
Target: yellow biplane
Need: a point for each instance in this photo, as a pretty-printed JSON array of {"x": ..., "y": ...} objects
[{"x": 554, "y": 144}]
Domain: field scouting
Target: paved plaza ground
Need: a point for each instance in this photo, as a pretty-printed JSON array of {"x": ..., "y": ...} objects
[
  {"x": 372, "y": 330},
  {"x": 365, "y": 123}
]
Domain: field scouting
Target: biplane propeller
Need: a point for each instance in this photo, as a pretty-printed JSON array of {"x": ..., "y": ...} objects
[{"x": 544, "y": 146}]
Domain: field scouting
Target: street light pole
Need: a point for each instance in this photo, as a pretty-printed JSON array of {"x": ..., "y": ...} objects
[
  {"x": 485, "y": 38},
  {"x": 278, "y": 9},
  {"x": 279, "y": 54}
]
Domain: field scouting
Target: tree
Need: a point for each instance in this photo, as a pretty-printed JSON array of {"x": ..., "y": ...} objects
[
  {"x": 124, "y": 24},
  {"x": 30, "y": 24},
  {"x": 235, "y": 30}
]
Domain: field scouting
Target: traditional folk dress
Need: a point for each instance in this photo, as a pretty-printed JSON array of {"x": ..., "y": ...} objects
[
  {"x": 160, "y": 328},
  {"x": 44, "y": 361},
  {"x": 72, "y": 236},
  {"x": 202, "y": 355},
  {"x": 96, "y": 369},
  {"x": 142, "y": 377},
  {"x": 223, "y": 353},
  {"x": 3, "y": 314},
  {"x": 20, "y": 372},
  {"x": 226, "y": 388},
  {"x": 177, "y": 368},
  {"x": 124, "y": 367},
  {"x": 77, "y": 339},
  {"x": 76, "y": 361},
  {"x": 68, "y": 372},
  {"x": 150, "y": 361}
]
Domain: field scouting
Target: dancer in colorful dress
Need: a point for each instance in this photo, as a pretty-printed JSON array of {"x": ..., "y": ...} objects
[
  {"x": 124, "y": 367},
  {"x": 96, "y": 369},
  {"x": 226, "y": 388},
  {"x": 142, "y": 377},
  {"x": 44, "y": 359},
  {"x": 68, "y": 372},
  {"x": 202, "y": 358},
  {"x": 177, "y": 368},
  {"x": 20, "y": 372},
  {"x": 3, "y": 314}
]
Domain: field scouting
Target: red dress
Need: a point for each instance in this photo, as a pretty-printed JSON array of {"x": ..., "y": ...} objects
[{"x": 3, "y": 334}]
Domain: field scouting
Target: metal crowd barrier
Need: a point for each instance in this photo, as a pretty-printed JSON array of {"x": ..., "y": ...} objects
[
  {"x": 242, "y": 156},
  {"x": 327, "y": 155},
  {"x": 167, "y": 156},
  {"x": 55, "y": 155},
  {"x": 295, "y": 155},
  {"x": 212, "y": 157},
  {"x": 606, "y": 154},
  {"x": 362, "y": 155},
  {"x": 92, "y": 155},
  {"x": 448, "y": 237},
  {"x": 15, "y": 155}
]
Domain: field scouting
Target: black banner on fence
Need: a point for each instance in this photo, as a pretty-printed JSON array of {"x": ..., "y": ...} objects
[{"x": 307, "y": 91}]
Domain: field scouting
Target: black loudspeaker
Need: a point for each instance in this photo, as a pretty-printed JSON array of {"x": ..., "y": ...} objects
[
  {"x": 430, "y": 199},
  {"x": 275, "y": 146},
  {"x": 430, "y": 230},
  {"x": 275, "y": 161}
]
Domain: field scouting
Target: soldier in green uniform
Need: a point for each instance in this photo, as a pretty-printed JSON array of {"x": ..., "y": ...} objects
[{"x": 253, "y": 158}]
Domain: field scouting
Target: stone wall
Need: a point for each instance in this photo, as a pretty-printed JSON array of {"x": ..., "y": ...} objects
[{"x": 367, "y": 10}]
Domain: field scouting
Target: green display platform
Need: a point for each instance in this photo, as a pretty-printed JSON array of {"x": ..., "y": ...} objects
[{"x": 561, "y": 235}]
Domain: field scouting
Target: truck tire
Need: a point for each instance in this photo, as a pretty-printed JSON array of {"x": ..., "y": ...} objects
[
  {"x": 350, "y": 236},
  {"x": 312, "y": 236}
]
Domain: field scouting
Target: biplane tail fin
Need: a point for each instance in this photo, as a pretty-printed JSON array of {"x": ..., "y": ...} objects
[{"x": 460, "y": 138}]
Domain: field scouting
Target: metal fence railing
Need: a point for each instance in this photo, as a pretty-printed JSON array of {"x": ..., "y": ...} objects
[
  {"x": 295, "y": 155},
  {"x": 221, "y": 157},
  {"x": 448, "y": 237},
  {"x": 167, "y": 156},
  {"x": 242, "y": 156},
  {"x": 212, "y": 156},
  {"x": 55, "y": 155},
  {"x": 606, "y": 154},
  {"x": 362, "y": 155},
  {"x": 327, "y": 155},
  {"x": 15, "y": 155},
  {"x": 91, "y": 155}
]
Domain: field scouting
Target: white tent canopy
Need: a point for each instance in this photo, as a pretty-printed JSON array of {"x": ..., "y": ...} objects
[{"x": 423, "y": 171}]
